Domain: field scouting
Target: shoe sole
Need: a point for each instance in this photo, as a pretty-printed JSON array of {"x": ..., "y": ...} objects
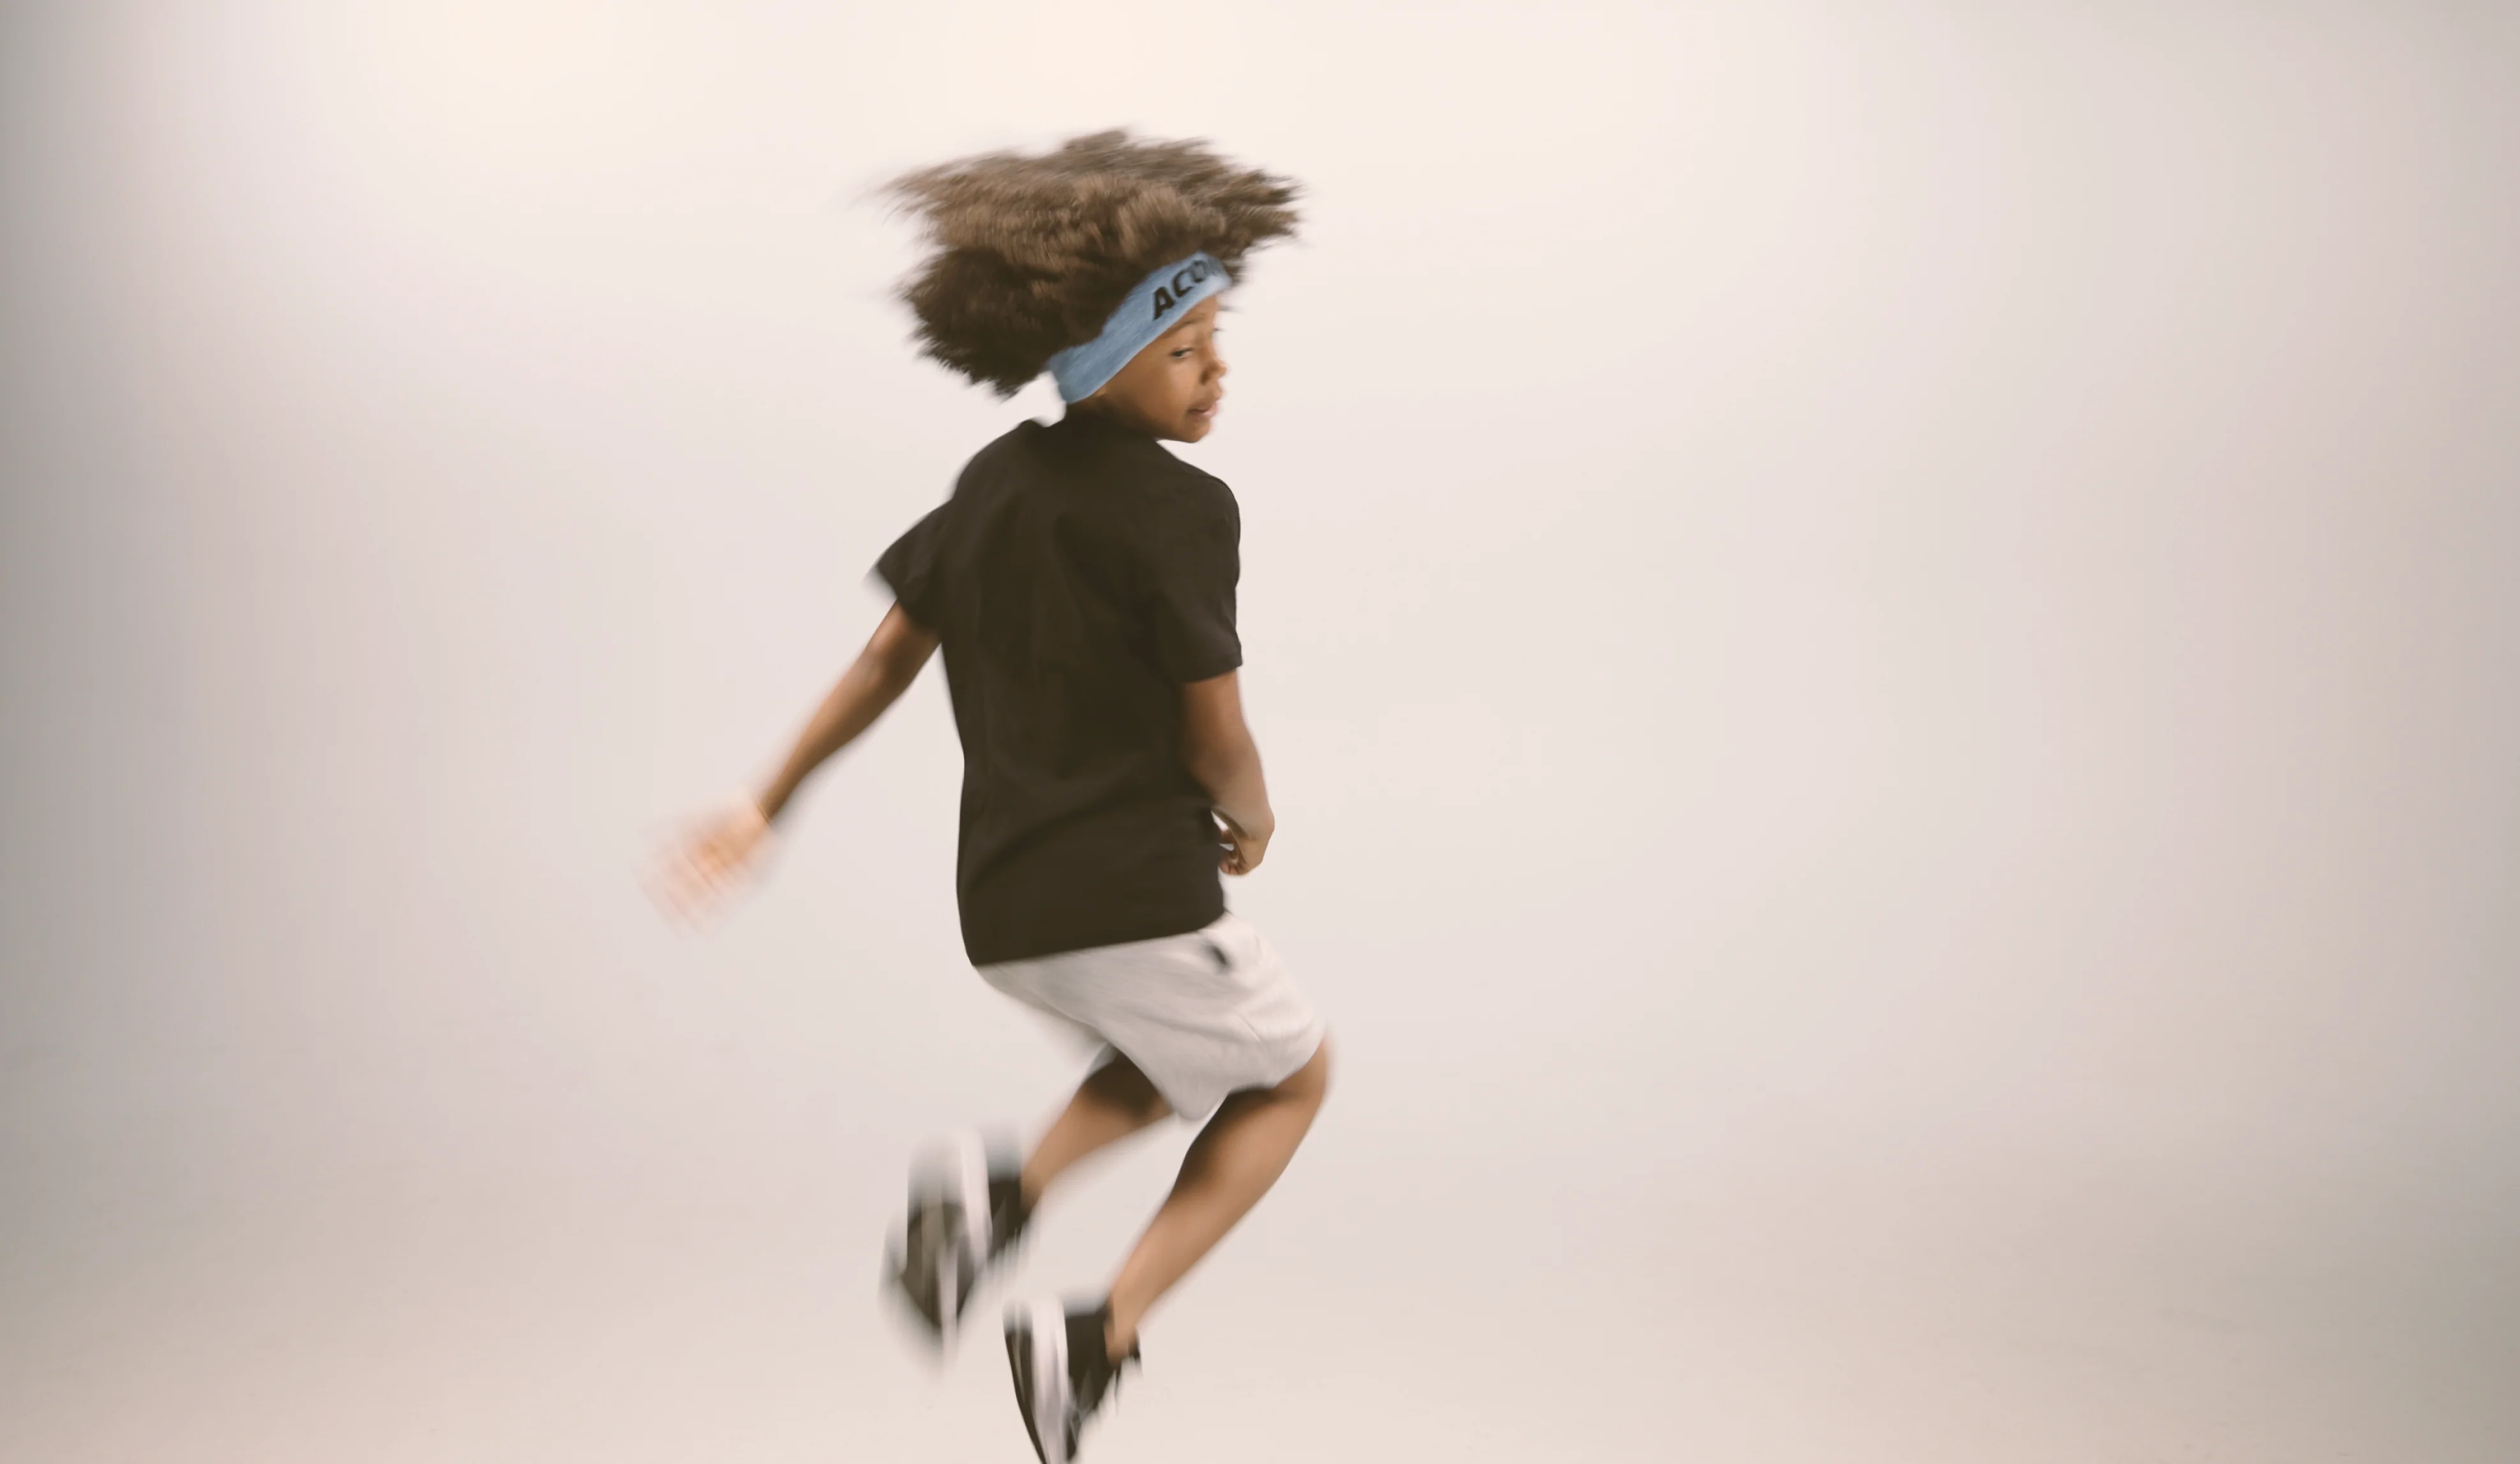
[{"x": 1037, "y": 1356}]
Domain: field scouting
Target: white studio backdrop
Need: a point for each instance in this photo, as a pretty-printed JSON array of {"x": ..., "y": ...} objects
[{"x": 1888, "y": 641}]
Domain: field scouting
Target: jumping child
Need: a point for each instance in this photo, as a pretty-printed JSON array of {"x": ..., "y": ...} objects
[{"x": 1080, "y": 581}]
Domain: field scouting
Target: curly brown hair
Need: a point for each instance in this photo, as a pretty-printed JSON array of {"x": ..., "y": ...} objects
[{"x": 1031, "y": 254}]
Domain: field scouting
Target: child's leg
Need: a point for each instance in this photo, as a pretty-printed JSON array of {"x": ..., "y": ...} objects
[
  {"x": 1113, "y": 1102},
  {"x": 1230, "y": 1165}
]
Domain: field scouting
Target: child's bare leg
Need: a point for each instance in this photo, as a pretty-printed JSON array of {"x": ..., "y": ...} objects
[
  {"x": 1230, "y": 1165},
  {"x": 1113, "y": 1102}
]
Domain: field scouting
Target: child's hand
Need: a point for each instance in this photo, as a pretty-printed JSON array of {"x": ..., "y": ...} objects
[
  {"x": 1243, "y": 849},
  {"x": 714, "y": 856}
]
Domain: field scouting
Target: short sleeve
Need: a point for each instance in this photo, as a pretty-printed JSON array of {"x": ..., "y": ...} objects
[
  {"x": 909, "y": 568},
  {"x": 1192, "y": 562}
]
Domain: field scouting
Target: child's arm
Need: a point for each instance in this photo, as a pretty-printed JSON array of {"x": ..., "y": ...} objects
[
  {"x": 712, "y": 856},
  {"x": 882, "y": 672},
  {"x": 1218, "y": 749}
]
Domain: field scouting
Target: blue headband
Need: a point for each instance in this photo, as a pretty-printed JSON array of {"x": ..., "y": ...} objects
[{"x": 1152, "y": 308}]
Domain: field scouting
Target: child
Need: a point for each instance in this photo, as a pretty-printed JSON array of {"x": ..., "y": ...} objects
[{"x": 1081, "y": 583}]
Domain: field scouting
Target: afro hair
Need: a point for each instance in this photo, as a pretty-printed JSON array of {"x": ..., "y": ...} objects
[{"x": 1030, "y": 255}]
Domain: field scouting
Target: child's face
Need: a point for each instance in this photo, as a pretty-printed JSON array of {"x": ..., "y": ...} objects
[{"x": 1171, "y": 390}]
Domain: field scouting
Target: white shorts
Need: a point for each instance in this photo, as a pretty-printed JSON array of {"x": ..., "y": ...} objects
[{"x": 1203, "y": 1015}]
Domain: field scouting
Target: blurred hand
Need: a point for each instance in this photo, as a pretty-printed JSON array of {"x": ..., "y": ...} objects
[
  {"x": 718, "y": 854},
  {"x": 1243, "y": 849}
]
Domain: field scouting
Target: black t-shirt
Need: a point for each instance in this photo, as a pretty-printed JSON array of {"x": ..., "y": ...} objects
[{"x": 1079, "y": 574}]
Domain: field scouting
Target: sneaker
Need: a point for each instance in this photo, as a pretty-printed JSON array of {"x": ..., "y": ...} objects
[
  {"x": 967, "y": 1210},
  {"x": 1064, "y": 1371}
]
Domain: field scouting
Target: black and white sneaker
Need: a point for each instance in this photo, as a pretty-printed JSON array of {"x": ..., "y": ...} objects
[
  {"x": 965, "y": 1210},
  {"x": 1063, "y": 1370}
]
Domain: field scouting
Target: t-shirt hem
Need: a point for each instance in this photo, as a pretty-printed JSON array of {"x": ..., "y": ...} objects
[{"x": 998, "y": 952}]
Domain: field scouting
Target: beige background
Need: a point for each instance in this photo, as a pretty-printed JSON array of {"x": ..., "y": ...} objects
[{"x": 1889, "y": 639}]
